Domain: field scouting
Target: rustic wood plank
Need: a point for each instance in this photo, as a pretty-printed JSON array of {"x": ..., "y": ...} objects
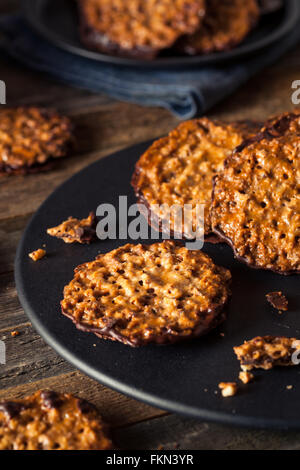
[
  {"x": 29, "y": 358},
  {"x": 11, "y": 312},
  {"x": 10, "y": 233},
  {"x": 171, "y": 432},
  {"x": 117, "y": 409}
]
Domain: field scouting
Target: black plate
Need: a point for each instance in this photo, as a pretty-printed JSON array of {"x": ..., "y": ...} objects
[
  {"x": 170, "y": 377},
  {"x": 57, "y": 21}
]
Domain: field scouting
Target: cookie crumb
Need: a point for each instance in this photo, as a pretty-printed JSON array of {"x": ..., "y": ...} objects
[
  {"x": 266, "y": 352},
  {"x": 75, "y": 230},
  {"x": 228, "y": 389},
  {"x": 37, "y": 255},
  {"x": 246, "y": 377},
  {"x": 15, "y": 333},
  {"x": 278, "y": 300},
  {"x": 289, "y": 387}
]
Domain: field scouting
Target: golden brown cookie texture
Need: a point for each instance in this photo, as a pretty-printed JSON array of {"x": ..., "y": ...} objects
[
  {"x": 266, "y": 352},
  {"x": 137, "y": 28},
  {"x": 75, "y": 230},
  {"x": 225, "y": 25},
  {"x": 178, "y": 169},
  {"x": 255, "y": 206},
  {"x": 139, "y": 294},
  {"x": 51, "y": 421},
  {"x": 31, "y": 137}
]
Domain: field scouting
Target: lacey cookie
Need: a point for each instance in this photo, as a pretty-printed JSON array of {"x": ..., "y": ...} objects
[
  {"x": 31, "y": 137},
  {"x": 140, "y": 294},
  {"x": 179, "y": 169},
  {"x": 52, "y": 421},
  {"x": 139, "y": 28},
  {"x": 255, "y": 205}
]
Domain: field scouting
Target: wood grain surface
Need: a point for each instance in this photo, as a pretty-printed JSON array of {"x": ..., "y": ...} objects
[{"x": 103, "y": 126}]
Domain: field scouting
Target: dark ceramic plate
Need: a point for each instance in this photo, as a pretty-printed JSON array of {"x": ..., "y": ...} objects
[
  {"x": 57, "y": 21},
  {"x": 181, "y": 378}
]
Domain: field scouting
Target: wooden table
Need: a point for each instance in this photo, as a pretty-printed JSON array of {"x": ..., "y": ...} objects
[{"x": 107, "y": 125}]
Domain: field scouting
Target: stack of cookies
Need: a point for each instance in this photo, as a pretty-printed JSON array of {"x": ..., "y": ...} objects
[
  {"x": 143, "y": 29},
  {"x": 246, "y": 174}
]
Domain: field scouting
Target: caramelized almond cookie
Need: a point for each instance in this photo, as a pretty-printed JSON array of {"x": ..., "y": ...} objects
[
  {"x": 74, "y": 230},
  {"x": 51, "y": 421},
  {"x": 178, "y": 169},
  {"x": 137, "y": 28},
  {"x": 225, "y": 25},
  {"x": 30, "y": 137},
  {"x": 139, "y": 294},
  {"x": 266, "y": 352},
  {"x": 255, "y": 206}
]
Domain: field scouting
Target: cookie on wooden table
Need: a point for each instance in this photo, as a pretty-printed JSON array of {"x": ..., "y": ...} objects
[
  {"x": 30, "y": 137},
  {"x": 51, "y": 421},
  {"x": 225, "y": 25},
  {"x": 137, "y": 28},
  {"x": 139, "y": 294},
  {"x": 255, "y": 206},
  {"x": 178, "y": 169}
]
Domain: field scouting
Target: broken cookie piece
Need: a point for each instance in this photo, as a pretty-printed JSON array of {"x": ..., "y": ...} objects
[
  {"x": 278, "y": 300},
  {"x": 246, "y": 377},
  {"x": 228, "y": 389},
  {"x": 266, "y": 352},
  {"x": 37, "y": 255},
  {"x": 74, "y": 230}
]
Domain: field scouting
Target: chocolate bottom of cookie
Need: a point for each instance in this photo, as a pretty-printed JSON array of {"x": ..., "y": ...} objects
[
  {"x": 94, "y": 40},
  {"x": 221, "y": 235},
  {"x": 156, "y": 222},
  {"x": 27, "y": 170},
  {"x": 168, "y": 337}
]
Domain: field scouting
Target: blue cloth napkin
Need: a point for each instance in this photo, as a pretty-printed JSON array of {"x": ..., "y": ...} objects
[{"x": 186, "y": 92}]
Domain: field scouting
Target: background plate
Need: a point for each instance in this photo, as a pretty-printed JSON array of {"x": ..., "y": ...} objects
[
  {"x": 181, "y": 378},
  {"x": 57, "y": 21}
]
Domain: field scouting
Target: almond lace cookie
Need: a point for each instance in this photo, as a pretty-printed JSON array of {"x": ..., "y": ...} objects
[
  {"x": 30, "y": 137},
  {"x": 137, "y": 28},
  {"x": 178, "y": 169},
  {"x": 256, "y": 205},
  {"x": 225, "y": 25},
  {"x": 51, "y": 421},
  {"x": 74, "y": 230},
  {"x": 266, "y": 352},
  {"x": 139, "y": 294}
]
